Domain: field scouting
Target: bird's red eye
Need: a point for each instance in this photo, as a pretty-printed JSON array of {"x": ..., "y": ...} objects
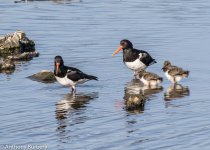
[{"x": 124, "y": 43}]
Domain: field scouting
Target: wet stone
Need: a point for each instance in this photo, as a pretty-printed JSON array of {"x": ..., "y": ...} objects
[
  {"x": 7, "y": 66},
  {"x": 15, "y": 47},
  {"x": 24, "y": 56},
  {"x": 16, "y": 43},
  {"x": 45, "y": 76}
]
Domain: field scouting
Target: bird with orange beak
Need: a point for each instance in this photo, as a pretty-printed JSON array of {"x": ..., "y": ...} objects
[
  {"x": 70, "y": 76},
  {"x": 134, "y": 59}
]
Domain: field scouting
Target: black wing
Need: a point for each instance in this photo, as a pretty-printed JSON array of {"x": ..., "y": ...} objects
[
  {"x": 75, "y": 74},
  {"x": 72, "y": 69},
  {"x": 145, "y": 57}
]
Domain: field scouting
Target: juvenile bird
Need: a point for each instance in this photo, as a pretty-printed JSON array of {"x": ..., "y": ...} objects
[
  {"x": 150, "y": 79},
  {"x": 174, "y": 73}
]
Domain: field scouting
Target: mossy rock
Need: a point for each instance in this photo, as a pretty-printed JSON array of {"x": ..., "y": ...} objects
[{"x": 45, "y": 76}]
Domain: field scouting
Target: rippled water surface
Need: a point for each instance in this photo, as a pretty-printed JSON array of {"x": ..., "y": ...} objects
[{"x": 86, "y": 33}]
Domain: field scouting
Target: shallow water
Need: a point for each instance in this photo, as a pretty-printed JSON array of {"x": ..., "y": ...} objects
[{"x": 86, "y": 33}]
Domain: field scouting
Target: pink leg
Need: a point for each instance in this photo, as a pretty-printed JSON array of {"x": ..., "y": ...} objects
[{"x": 73, "y": 90}]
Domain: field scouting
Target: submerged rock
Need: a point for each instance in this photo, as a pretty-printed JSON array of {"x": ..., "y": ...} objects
[
  {"x": 16, "y": 43},
  {"x": 45, "y": 76},
  {"x": 134, "y": 98},
  {"x": 136, "y": 94},
  {"x": 7, "y": 66},
  {"x": 134, "y": 101}
]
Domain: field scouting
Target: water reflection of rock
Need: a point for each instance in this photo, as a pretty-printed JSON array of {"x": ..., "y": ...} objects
[
  {"x": 136, "y": 94},
  {"x": 176, "y": 91}
]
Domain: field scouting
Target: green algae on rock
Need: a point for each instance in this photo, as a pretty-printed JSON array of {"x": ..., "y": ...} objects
[{"x": 44, "y": 76}]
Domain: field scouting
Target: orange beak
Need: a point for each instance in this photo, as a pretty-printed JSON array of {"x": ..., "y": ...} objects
[
  {"x": 57, "y": 67},
  {"x": 117, "y": 50}
]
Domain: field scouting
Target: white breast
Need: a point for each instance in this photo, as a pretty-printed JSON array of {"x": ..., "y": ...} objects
[
  {"x": 151, "y": 83},
  {"x": 144, "y": 81},
  {"x": 65, "y": 81},
  {"x": 135, "y": 65},
  {"x": 177, "y": 78},
  {"x": 167, "y": 75}
]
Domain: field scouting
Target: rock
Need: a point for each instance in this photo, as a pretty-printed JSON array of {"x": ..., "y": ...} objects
[
  {"x": 45, "y": 76},
  {"x": 24, "y": 56},
  {"x": 134, "y": 101},
  {"x": 7, "y": 66},
  {"x": 16, "y": 47},
  {"x": 16, "y": 43},
  {"x": 134, "y": 98}
]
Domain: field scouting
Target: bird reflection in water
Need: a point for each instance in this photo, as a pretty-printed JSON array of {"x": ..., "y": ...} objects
[
  {"x": 136, "y": 94},
  {"x": 71, "y": 102},
  {"x": 70, "y": 110},
  {"x": 176, "y": 91}
]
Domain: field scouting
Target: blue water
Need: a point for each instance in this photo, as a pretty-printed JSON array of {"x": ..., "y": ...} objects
[{"x": 86, "y": 33}]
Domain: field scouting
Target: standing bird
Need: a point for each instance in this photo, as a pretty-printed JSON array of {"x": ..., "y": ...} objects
[
  {"x": 133, "y": 58},
  {"x": 69, "y": 76},
  {"x": 174, "y": 73},
  {"x": 150, "y": 79}
]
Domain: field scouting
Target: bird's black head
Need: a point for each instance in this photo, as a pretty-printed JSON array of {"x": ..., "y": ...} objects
[
  {"x": 124, "y": 44},
  {"x": 58, "y": 63}
]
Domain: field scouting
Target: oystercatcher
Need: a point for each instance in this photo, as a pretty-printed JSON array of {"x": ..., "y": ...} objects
[
  {"x": 150, "y": 79},
  {"x": 133, "y": 58},
  {"x": 69, "y": 76},
  {"x": 174, "y": 73}
]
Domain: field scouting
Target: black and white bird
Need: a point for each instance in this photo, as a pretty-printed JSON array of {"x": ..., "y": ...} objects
[
  {"x": 134, "y": 59},
  {"x": 69, "y": 76},
  {"x": 174, "y": 73}
]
